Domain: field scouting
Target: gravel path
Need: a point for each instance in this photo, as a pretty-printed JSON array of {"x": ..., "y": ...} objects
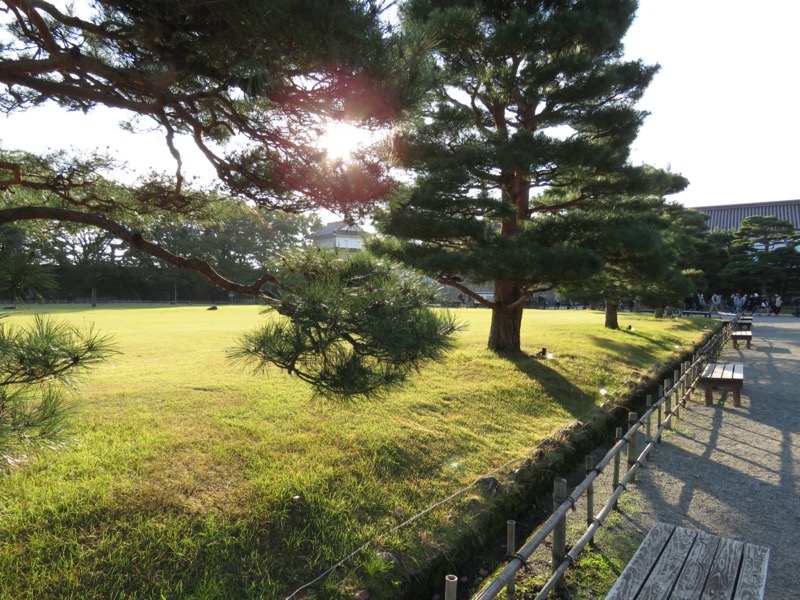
[{"x": 735, "y": 472}]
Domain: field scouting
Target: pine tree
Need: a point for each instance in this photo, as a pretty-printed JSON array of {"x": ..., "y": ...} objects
[
  {"x": 252, "y": 84},
  {"x": 648, "y": 253},
  {"x": 532, "y": 115},
  {"x": 349, "y": 324},
  {"x": 763, "y": 248}
]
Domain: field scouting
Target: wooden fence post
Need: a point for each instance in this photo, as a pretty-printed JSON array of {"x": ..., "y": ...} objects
[
  {"x": 560, "y": 531},
  {"x": 450, "y": 587},
  {"x": 632, "y": 418},
  {"x": 615, "y": 482},
  {"x": 689, "y": 381},
  {"x": 678, "y": 391},
  {"x": 590, "y": 497},
  {"x": 511, "y": 550},
  {"x": 668, "y": 402}
]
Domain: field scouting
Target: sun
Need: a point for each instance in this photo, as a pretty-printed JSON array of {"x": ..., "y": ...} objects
[{"x": 341, "y": 140}]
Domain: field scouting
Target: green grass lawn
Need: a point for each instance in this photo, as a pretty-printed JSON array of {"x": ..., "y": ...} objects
[{"x": 188, "y": 478}]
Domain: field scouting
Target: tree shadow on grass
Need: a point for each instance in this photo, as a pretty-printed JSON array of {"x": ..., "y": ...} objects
[
  {"x": 569, "y": 396},
  {"x": 627, "y": 352}
]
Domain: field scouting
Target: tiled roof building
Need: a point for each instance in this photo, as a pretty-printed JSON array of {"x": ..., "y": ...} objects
[{"x": 728, "y": 217}]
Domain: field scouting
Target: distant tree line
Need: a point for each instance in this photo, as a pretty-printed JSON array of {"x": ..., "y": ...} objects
[
  {"x": 762, "y": 257},
  {"x": 72, "y": 261},
  {"x": 65, "y": 264}
]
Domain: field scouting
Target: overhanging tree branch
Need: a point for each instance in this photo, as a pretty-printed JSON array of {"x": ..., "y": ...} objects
[{"x": 135, "y": 240}]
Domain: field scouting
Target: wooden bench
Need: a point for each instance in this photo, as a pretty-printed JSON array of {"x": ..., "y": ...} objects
[
  {"x": 744, "y": 324},
  {"x": 675, "y": 562},
  {"x": 738, "y": 336},
  {"x": 723, "y": 375}
]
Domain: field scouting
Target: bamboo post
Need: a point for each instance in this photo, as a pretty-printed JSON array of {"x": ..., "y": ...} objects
[
  {"x": 450, "y": 587},
  {"x": 511, "y": 550},
  {"x": 615, "y": 483},
  {"x": 590, "y": 496},
  {"x": 685, "y": 380},
  {"x": 632, "y": 417},
  {"x": 689, "y": 381},
  {"x": 648, "y": 425},
  {"x": 668, "y": 402},
  {"x": 678, "y": 391},
  {"x": 660, "y": 417},
  {"x": 560, "y": 531}
]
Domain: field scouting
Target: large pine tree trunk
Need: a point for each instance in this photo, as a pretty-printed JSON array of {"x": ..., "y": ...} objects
[
  {"x": 612, "y": 322},
  {"x": 504, "y": 333}
]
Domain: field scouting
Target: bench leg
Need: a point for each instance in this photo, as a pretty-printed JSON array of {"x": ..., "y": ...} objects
[
  {"x": 737, "y": 398},
  {"x": 748, "y": 343},
  {"x": 735, "y": 342},
  {"x": 709, "y": 398}
]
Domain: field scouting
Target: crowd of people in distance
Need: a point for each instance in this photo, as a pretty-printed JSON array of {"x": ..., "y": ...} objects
[
  {"x": 744, "y": 303},
  {"x": 737, "y": 302}
]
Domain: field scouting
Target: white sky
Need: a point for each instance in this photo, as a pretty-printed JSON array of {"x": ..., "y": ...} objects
[{"x": 725, "y": 107}]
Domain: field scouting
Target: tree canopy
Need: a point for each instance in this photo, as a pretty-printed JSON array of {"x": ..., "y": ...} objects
[
  {"x": 353, "y": 328},
  {"x": 649, "y": 253},
  {"x": 264, "y": 75},
  {"x": 532, "y": 115},
  {"x": 764, "y": 256},
  {"x": 251, "y": 83}
]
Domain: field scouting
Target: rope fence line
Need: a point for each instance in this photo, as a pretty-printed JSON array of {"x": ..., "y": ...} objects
[
  {"x": 712, "y": 348},
  {"x": 419, "y": 515}
]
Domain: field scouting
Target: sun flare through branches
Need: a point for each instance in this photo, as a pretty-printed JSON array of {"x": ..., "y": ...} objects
[{"x": 341, "y": 141}]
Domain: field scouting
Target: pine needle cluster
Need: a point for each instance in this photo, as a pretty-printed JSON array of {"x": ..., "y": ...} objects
[
  {"x": 38, "y": 363},
  {"x": 350, "y": 325}
]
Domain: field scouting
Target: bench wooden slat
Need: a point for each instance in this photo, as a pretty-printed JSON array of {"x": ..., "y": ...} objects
[
  {"x": 753, "y": 579},
  {"x": 695, "y": 571},
  {"x": 675, "y": 563},
  {"x": 670, "y": 563},
  {"x": 724, "y": 375},
  {"x": 721, "y": 580},
  {"x": 636, "y": 573},
  {"x": 723, "y": 371},
  {"x": 712, "y": 371},
  {"x": 738, "y": 336}
]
